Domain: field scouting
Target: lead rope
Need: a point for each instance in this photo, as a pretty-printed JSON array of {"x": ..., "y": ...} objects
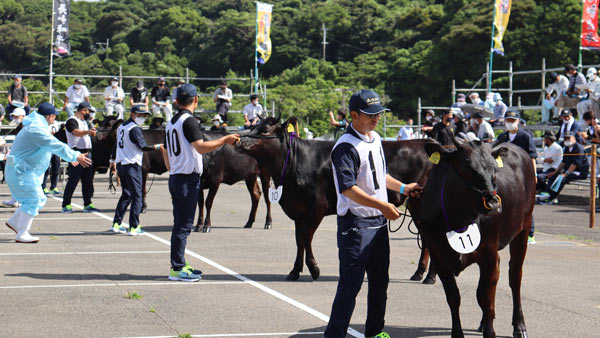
[
  {"x": 287, "y": 158},
  {"x": 404, "y": 215}
]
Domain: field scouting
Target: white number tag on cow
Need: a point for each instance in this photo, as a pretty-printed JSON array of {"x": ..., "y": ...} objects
[
  {"x": 465, "y": 242},
  {"x": 275, "y": 194}
]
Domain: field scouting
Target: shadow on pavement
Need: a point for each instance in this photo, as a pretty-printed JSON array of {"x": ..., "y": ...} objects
[
  {"x": 401, "y": 331},
  {"x": 87, "y": 276}
]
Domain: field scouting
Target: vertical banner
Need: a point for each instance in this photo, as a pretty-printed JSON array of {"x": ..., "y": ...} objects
[
  {"x": 263, "y": 31},
  {"x": 62, "y": 9},
  {"x": 589, "y": 25},
  {"x": 502, "y": 13}
]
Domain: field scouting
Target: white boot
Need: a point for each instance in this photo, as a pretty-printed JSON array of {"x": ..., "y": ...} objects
[
  {"x": 11, "y": 203},
  {"x": 23, "y": 236},
  {"x": 13, "y": 222}
]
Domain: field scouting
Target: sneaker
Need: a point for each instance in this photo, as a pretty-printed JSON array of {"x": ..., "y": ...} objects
[
  {"x": 55, "y": 191},
  {"x": 531, "y": 240},
  {"x": 137, "y": 231},
  {"x": 90, "y": 208},
  {"x": 542, "y": 196},
  {"x": 46, "y": 191},
  {"x": 544, "y": 202},
  {"x": 185, "y": 275},
  {"x": 382, "y": 335},
  {"x": 117, "y": 228},
  {"x": 195, "y": 271},
  {"x": 11, "y": 203},
  {"x": 67, "y": 209}
]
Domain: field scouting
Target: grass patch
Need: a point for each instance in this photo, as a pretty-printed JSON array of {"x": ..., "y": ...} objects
[
  {"x": 569, "y": 237},
  {"x": 53, "y": 238},
  {"x": 184, "y": 335},
  {"x": 133, "y": 295},
  {"x": 153, "y": 310}
]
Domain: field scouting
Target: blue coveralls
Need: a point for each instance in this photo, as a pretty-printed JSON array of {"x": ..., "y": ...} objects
[{"x": 28, "y": 160}]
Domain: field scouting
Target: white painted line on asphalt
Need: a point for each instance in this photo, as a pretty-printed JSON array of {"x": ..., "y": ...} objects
[
  {"x": 54, "y": 218},
  {"x": 62, "y": 286},
  {"x": 242, "y": 335},
  {"x": 65, "y": 233},
  {"x": 230, "y": 272},
  {"x": 82, "y": 253}
]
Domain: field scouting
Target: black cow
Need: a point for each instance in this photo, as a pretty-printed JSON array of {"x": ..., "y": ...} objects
[
  {"x": 223, "y": 165},
  {"x": 308, "y": 186},
  {"x": 465, "y": 188}
]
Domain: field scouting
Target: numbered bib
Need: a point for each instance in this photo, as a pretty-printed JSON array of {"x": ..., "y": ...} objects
[
  {"x": 275, "y": 194},
  {"x": 465, "y": 242}
]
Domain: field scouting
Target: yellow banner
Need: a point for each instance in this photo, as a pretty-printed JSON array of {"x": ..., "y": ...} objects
[
  {"x": 263, "y": 31},
  {"x": 500, "y": 23}
]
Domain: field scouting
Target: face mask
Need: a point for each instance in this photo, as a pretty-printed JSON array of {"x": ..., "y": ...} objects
[
  {"x": 511, "y": 125},
  {"x": 428, "y": 118},
  {"x": 567, "y": 119},
  {"x": 77, "y": 86},
  {"x": 114, "y": 83},
  {"x": 216, "y": 123},
  {"x": 568, "y": 143},
  {"x": 474, "y": 123},
  {"x": 91, "y": 116},
  {"x": 140, "y": 120},
  {"x": 161, "y": 84}
]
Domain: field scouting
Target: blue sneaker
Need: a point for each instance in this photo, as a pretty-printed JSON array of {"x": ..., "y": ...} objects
[
  {"x": 90, "y": 208},
  {"x": 55, "y": 191},
  {"x": 117, "y": 228},
  {"x": 137, "y": 231},
  {"x": 46, "y": 191},
  {"x": 67, "y": 209},
  {"x": 185, "y": 275}
]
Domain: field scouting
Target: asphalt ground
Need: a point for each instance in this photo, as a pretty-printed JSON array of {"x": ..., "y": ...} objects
[{"x": 82, "y": 281}]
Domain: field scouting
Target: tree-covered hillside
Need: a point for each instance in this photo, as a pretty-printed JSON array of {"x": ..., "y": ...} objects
[{"x": 402, "y": 48}]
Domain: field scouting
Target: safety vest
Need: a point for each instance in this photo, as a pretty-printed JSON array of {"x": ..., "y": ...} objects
[
  {"x": 183, "y": 158},
  {"x": 79, "y": 142},
  {"x": 127, "y": 151}
]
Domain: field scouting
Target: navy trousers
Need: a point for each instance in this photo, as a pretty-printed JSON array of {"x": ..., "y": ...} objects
[
  {"x": 184, "y": 189},
  {"x": 86, "y": 175},
  {"x": 363, "y": 247},
  {"x": 131, "y": 193},
  {"x": 53, "y": 172}
]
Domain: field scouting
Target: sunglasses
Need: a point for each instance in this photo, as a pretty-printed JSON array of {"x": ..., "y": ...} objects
[{"x": 373, "y": 116}]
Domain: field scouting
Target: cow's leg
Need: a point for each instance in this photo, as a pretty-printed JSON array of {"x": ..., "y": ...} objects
[
  {"x": 210, "y": 198},
  {"x": 254, "y": 190},
  {"x": 453, "y": 299},
  {"x": 489, "y": 272},
  {"x": 422, "y": 266},
  {"x": 518, "y": 249},
  {"x": 298, "y": 263},
  {"x": 311, "y": 226},
  {"x": 200, "y": 222},
  {"x": 144, "y": 180},
  {"x": 264, "y": 182},
  {"x": 431, "y": 274}
]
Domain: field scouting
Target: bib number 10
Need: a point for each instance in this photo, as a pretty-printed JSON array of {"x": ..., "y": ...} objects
[{"x": 173, "y": 145}]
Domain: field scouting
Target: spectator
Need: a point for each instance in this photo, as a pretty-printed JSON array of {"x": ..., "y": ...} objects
[
  {"x": 340, "y": 123},
  {"x": 499, "y": 110},
  {"x": 180, "y": 82},
  {"x": 443, "y": 131},
  {"x": 222, "y": 98},
  {"x": 592, "y": 134},
  {"x": 429, "y": 122},
  {"x": 474, "y": 97},
  {"x": 482, "y": 128},
  {"x": 113, "y": 98},
  {"x": 406, "y": 132},
  {"x": 573, "y": 94},
  {"x": 551, "y": 159},
  {"x": 460, "y": 101},
  {"x": 138, "y": 95},
  {"x": 251, "y": 112},
  {"x": 157, "y": 122},
  {"x": 17, "y": 97},
  {"x": 574, "y": 166},
  {"x": 568, "y": 124},
  {"x": 17, "y": 116},
  {"x": 558, "y": 84},
  {"x": 593, "y": 95},
  {"x": 2, "y": 113},
  {"x": 160, "y": 101},
  {"x": 460, "y": 127},
  {"x": 217, "y": 124},
  {"x": 76, "y": 94},
  {"x": 53, "y": 169}
]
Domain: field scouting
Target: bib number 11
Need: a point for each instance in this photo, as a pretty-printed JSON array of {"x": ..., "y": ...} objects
[{"x": 465, "y": 242}]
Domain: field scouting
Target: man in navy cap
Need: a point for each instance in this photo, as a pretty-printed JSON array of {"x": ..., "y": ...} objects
[
  {"x": 361, "y": 183},
  {"x": 523, "y": 139},
  {"x": 127, "y": 161},
  {"x": 160, "y": 101},
  {"x": 569, "y": 124},
  {"x": 184, "y": 145},
  {"x": 25, "y": 166}
]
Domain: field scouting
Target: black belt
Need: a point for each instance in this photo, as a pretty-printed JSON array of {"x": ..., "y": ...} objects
[{"x": 82, "y": 150}]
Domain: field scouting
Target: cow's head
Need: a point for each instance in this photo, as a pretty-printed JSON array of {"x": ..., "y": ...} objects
[
  {"x": 263, "y": 141},
  {"x": 103, "y": 144},
  {"x": 470, "y": 169}
]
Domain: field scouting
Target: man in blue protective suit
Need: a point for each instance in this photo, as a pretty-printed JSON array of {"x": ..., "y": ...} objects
[{"x": 25, "y": 166}]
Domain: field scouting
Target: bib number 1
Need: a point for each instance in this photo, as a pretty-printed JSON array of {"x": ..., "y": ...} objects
[{"x": 465, "y": 242}]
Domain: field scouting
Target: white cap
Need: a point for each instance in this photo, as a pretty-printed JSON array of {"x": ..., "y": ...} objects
[
  {"x": 591, "y": 71},
  {"x": 497, "y": 97},
  {"x": 18, "y": 112},
  {"x": 217, "y": 118},
  {"x": 471, "y": 137}
]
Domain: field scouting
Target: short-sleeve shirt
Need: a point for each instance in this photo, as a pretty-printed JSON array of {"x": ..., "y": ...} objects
[
  {"x": 160, "y": 94},
  {"x": 77, "y": 96},
  {"x": 114, "y": 93},
  {"x": 17, "y": 94},
  {"x": 252, "y": 111},
  {"x": 406, "y": 133},
  {"x": 191, "y": 127},
  {"x": 139, "y": 95},
  {"x": 220, "y": 92}
]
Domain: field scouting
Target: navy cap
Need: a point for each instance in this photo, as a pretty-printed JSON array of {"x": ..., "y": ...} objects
[
  {"x": 565, "y": 112},
  {"x": 553, "y": 77},
  {"x": 186, "y": 91},
  {"x": 114, "y": 78},
  {"x": 139, "y": 109},
  {"x": 366, "y": 101},
  {"x": 512, "y": 114},
  {"x": 160, "y": 79},
  {"x": 46, "y": 108},
  {"x": 568, "y": 133},
  {"x": 87, "y": 105},
  {"x": 461, "y": 96}
]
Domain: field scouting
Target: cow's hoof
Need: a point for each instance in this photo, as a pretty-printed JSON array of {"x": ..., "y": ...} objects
[
  {"x": 480, "y": 328},
  {"x": 417, "y": 276},
  {"x": 206, "y": 229},
  {"x": 457, "y": 334},
  {"x": 315, "y": 272},
  {"x": 429, "y": 280},
  {"x": 520, "y": 333},
  {"x": 268, "y": 226},
  {"x": 248, "y": 225},
  {"x": 197, "y": 228},
  {"x": 293, "y": 276}
]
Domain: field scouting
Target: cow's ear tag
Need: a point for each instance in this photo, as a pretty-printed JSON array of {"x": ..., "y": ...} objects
[
  {"x": 499, "y": 162},
  {"x": 290, "y": 128},
  {"x": 465, "y": 242},
  {"x": 275, "y": 193},
  {"x": 435, "y": 158}
]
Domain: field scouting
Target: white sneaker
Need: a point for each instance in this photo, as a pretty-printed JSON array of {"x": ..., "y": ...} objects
[{"x": 11, "y": 203}]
